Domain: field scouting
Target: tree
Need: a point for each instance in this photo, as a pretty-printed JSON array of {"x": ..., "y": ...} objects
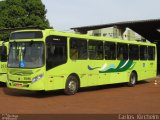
[{"x": 22, "y": 13}]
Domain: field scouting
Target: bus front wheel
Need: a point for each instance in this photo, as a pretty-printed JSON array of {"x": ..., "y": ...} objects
[
  {"x": 132, "y": 79},
  {"x": 71, "y": 85}
]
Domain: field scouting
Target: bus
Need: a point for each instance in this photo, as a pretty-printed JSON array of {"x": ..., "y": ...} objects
[
  {"x": 46, "y": 59},
  {"x": 3, "y": 61}
]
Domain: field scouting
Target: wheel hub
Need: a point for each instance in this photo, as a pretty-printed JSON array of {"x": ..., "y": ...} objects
[
  {"x": 72, "y": 86},
  {"x": 133, "y": 79}
]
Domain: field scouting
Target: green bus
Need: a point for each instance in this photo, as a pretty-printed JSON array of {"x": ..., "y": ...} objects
[
  {"x": 3, "y": 61},
  {"x": 50, "y": 60}
]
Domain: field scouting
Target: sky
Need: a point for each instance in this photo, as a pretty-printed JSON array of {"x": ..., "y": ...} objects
[{"x": 65, "y": 14}]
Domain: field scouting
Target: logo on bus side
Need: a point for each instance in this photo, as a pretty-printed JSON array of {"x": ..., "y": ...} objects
[{"x": 122, "y": 66}]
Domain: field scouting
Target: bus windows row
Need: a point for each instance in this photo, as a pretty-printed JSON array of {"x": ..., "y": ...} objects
[{"x": 80, "y": 49}]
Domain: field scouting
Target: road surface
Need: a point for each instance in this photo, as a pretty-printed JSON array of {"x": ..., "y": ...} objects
[{"x": 109, "y": 99}]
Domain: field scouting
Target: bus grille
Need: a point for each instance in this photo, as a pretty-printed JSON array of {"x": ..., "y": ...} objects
[
  {"x": 21, "y": 72},
  {"x": 23, "y": 83}
]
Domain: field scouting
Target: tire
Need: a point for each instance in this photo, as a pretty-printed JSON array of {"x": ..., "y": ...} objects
[
  {"x": 71, "y": 85},
  {"x": 132, "y": 79}
]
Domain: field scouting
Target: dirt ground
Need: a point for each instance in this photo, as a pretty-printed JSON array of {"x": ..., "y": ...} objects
[{"x": 109, "y": 99}]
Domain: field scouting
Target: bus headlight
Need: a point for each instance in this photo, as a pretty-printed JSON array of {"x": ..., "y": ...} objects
[{"x": 37, "y": 78}]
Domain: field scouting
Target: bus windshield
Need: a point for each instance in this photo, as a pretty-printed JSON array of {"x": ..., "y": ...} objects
[{"x": 26, "y": 55}]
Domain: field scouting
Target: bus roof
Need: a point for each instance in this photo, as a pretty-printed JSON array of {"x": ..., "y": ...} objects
[{"x": 48, "y": 32}]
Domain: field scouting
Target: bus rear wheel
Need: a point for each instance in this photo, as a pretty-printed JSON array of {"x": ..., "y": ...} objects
[
  {"x": 71, "y": 85},
  {"x": 132, "y": 79}
]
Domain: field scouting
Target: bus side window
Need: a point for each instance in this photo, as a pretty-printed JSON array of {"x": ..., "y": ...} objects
[
  {"x": 56, "y": 51},
  {"x": 78, "y": 49},
  {"x": 95, "y": 49},
  {"x": 122, "y": 51},
  {"x": 133, "y": 52},
  {"x": 73, "y": 50},
  {"x": 151, "y": 53},
  {"x": 110, "y": 51},
  {"x": 143, "y": 52},
  {"x": 3, "y": 53}
]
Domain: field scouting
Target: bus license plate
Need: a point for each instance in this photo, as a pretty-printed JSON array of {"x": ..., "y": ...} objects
[{"x": 18, "y": 85}]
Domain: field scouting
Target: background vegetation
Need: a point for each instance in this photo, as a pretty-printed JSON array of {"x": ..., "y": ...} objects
[{"x": 21, "y": 13}]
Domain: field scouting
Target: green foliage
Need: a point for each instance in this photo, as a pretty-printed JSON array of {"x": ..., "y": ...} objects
[{"x": 22, "y": 13}]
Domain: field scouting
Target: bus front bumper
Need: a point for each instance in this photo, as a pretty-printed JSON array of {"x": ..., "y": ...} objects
[{"x": 26, "y": 85}]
